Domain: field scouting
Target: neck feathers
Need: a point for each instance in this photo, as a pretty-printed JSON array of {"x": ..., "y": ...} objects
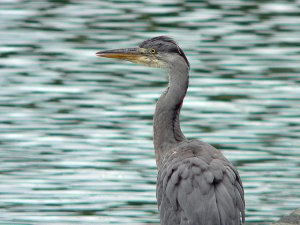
[{"x": 167, "y": 132}]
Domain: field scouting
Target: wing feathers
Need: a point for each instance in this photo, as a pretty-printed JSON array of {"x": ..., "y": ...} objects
[{"x": 194, "y": 192}]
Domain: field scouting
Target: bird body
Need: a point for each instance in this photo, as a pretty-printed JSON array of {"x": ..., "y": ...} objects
[{"x": 196, "y": 184}]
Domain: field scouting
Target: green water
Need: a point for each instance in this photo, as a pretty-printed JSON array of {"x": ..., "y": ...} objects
[{"x": 76, "y": 130}]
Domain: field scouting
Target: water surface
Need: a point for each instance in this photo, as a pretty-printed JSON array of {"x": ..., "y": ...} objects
[{"x": 76, "y": 130}]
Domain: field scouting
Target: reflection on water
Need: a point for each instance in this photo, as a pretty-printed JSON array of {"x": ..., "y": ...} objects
[{"x": 75, "y": 131}]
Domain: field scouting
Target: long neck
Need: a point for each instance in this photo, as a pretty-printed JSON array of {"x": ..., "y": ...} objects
[{"x": 167, "y": 132}]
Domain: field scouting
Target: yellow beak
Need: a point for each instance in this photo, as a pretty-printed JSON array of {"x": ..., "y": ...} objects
[
  {"x": 130, "y": 54},
  {"x": 135, "y": 55}
]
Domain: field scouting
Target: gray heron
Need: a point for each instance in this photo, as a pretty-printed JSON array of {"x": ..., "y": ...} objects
[{"x": 196, "y": 184}]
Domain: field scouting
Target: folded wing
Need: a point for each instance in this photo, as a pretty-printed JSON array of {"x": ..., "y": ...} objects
[{"x": 192, "y": 191}]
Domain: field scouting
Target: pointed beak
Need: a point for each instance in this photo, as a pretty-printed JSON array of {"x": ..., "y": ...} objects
[{"x": 130, "y": 54}]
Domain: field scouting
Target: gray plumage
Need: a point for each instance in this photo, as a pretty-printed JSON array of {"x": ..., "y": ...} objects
[{"x": 196, "y": 184}]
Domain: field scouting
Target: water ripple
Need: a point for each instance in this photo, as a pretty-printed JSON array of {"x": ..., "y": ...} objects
[{"x": 76, "y": 131}]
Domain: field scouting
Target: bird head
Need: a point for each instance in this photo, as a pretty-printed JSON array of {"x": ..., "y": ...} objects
[{"x": 159, "y": 52}]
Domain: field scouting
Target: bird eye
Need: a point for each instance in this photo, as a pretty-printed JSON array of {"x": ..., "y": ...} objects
[{"x": 153, "y": 51}]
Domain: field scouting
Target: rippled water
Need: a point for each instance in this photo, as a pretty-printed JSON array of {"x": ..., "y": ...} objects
[{"x": 76, "y": 130}]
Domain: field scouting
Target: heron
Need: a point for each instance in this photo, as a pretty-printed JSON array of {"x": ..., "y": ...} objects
[{"x": 196, "y": 184}]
